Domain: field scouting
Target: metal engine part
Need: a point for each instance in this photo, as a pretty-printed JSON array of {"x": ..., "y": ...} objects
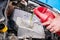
[
  {"x": 22, "y": 15},
  {"x": 34, "y": 30}
]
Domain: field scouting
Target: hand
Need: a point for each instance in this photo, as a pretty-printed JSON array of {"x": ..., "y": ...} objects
[{"x": 53, "y": 24}]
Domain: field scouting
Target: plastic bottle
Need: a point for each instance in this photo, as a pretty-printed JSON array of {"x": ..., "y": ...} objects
[{"x": 44, "y": 14}]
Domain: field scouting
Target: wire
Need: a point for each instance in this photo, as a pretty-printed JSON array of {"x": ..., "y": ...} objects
[{"x": 6, "y": 11}]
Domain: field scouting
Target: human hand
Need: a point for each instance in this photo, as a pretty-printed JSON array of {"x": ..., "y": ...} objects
[{"x": 53, "y": 24}]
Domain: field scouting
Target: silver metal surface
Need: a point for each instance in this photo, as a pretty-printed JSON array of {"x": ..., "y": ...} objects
[{"x": 25, "y": 28}]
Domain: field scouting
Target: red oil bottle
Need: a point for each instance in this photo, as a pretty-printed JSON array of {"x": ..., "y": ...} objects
[{"x": 44, "y": 14}]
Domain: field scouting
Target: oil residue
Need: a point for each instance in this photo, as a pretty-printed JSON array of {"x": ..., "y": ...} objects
[{"x": 31, "y": 20}]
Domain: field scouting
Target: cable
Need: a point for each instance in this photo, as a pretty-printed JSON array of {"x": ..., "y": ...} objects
[{"x": 6, "y": 11}]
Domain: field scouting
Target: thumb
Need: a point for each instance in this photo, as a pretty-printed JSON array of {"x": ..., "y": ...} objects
[{"x": 47, "y": 22}]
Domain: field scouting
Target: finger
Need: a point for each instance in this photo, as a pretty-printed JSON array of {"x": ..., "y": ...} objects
[
  {"x": 46, "y": 23},
  {"x": 55, "y": 30},
  {"x": 51, "y": 30},
  {"x": 50, "y": 26}
]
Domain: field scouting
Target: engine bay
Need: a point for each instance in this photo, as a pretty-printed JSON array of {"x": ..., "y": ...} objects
[{"x": 24, "y": 25}]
